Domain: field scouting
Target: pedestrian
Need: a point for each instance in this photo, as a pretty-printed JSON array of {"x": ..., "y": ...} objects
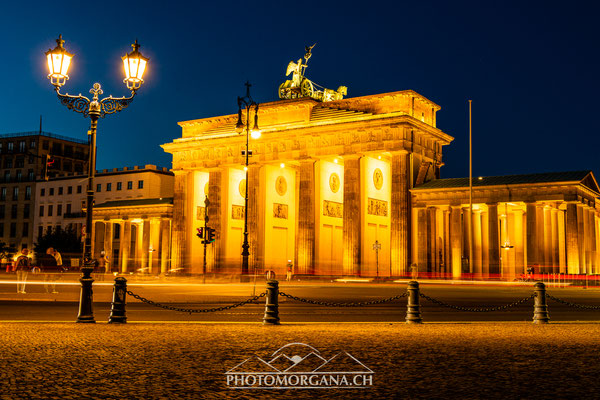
[
  {"x": 288, "y": 276},
  {"x": 49, "y": 265},
  {"x": 57, "y": 257},
  {"x": 415, "y": 271},
  {"x": 104, "y": 263},
  {"x": 22, "y": 266}
]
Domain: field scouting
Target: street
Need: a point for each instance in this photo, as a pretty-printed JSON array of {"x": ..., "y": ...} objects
[{"x": 37, "y": 305}]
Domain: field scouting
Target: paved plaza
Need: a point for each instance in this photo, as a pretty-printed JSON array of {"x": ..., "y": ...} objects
[{"x": 189, "y": 361}]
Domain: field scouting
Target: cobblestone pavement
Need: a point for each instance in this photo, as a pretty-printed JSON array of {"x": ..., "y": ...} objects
[{"x": 188, "y": 361}]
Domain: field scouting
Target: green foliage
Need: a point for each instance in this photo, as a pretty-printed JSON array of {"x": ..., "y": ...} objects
[
  {"x": 63, "y": 240},
  {"x": 6, "y": 251}
]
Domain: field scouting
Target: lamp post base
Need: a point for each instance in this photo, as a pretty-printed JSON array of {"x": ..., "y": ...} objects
[{"x": 86, "y": 313}]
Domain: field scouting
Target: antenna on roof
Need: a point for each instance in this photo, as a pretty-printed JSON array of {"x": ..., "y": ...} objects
[{"x": 40, "y": 124}]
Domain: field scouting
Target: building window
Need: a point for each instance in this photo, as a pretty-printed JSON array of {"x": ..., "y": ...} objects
[
  {"x": 16, "y": 193},
  {"x": 32, "y": 144},
  {"x": 68, "y": 208},
  {"x": 19, "y": 176},
  {"x": 28, "y": 193},
  {"x": 98, "y": 188},
  {"x": 79, "y": 189},
  {"x": 30, "y": 175},
  {"x": 2, "y": 211},
  {"x": 26, "y": 229},
  {"x": 8, "y": 162},
  {"x": 13, "y": 229},
  {"x": 129, "y": 185},
  {"x": 6, "y": 176},
  {"x": 70, "y": 190},
  {"x": 20, "y": 162},
  {"x": 108, "y": 187},
  {"x": 10, "y": 147},
  {"x": 51, "y": 191},
  {"x": 50, "y": 207},
  {"x": 13, "y": 211},
  {"x": 26, "y": 211},
  {"x": 41, "y": 211},
  {"x": 60, "y": 191},
  {"x": 40, "y": 232},
  {"x": 22, "y": 146},
  {"x": 1, "y": 229},
  {"x": 3, "y": 194},
  {"x": 31, "y": 160},
  {"x": 45, "y": 145},
  {"x": 119, "y": 185},
  {"x": 42, "y": 192},
  {"x": 59, "y": 210},
  {"x": 140, "y": 184}
]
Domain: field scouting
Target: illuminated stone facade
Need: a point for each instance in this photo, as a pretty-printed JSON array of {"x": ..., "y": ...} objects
[
  {"x": 326, "y": 181},
  {"x": 549, "y": 221}
]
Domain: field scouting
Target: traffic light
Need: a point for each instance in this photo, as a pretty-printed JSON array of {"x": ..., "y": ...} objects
[
  {"x": 200, "y": 233},
  {"x": 48, "y": 161},
  {"x": 210, "y": 235}
]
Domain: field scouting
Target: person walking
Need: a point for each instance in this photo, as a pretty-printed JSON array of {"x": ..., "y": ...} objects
[
  {"x": 50, "y": 267},
  {"x": 290, "y": 266},
  {"x": 22, "y": 266}
]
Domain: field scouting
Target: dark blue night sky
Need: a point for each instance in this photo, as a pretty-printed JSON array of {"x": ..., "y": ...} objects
[{"x": 531, "y": 69}]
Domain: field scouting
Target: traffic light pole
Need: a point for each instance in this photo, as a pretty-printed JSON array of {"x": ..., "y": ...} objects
[{"x": 204, "y": 240}]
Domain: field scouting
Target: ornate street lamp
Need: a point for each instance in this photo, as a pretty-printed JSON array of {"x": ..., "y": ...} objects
[
  {"x": 59, "y": 61},
  {"x": 248, "y": 103}
]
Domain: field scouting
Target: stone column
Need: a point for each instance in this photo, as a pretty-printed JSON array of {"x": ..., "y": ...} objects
[
  {"x": 423, "y": 240},
  {"x": 447, "y": 269},
  {"x": 125, "y": 246},
  {"x": 305, "y": 238},
  {"x": 562, "y": 241},
  {"x": 477, "y": 244},
  {"x": 178, "y": 241},
  {"x": 581, "y": 238},
  {"x": 455, "y": 242},
  {"x": 494, "y": 241},
  {"x": 153, "y": 255},
  {"x": 352, "y": 215},
  {"x": 108, "y": 240},
  {"x": 519, "y": 242},
  {"x": 165, "y": 240},
  {"x": 532, "y": 245},
  {"x": 572, "y": 239},
  {"x": 555, "y": 242},
  {"x": 255, "y": 228},
  {"x": 145, "y": 246},
  {"x": 540, "y": 235},
  {"x": 213, "y": 256},
  {"x": 400, "y": 214}
]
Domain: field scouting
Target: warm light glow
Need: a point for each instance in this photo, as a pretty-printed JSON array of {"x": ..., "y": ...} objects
[
  {"x": 59, "y": 61},
  {"x": 282, "y": 165},
  {"x": 335, "y": 160},
  {"x": 480, "y": 178},
  {"x": 379, "y": 157},
  {"x": 245, "y": 168},
  {"x": 134, "y": 64},
  {"x": 255, "y": 133}
]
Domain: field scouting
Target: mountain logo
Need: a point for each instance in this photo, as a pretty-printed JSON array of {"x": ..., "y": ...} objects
[{"x": 300, "y": 366}]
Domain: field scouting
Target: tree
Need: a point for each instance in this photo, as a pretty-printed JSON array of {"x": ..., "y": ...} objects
[
  {"x": 6, "y": 251},
  {"x": 63, "y": 240}
]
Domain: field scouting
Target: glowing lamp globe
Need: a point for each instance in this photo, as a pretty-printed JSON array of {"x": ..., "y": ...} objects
[
  {"x": 59, "y": 60},
  {"x": 255, "y": 132},
  {"x": 134, "y": 64}
]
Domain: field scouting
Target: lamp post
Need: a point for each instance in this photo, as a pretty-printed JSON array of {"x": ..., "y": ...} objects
[
  {"x": 59, "y": 61},
  {"x": 248, "y": 103}
]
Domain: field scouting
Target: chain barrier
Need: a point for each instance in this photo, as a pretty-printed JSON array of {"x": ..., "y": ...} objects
[
  {"x": 195, "y": 310},
  {"x": 332, "y": 304},
  {"x": 574, "y": 305},
  {"x": 478, "y": 309}
]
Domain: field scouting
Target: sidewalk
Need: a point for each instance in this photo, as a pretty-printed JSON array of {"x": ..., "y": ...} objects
[{"x": 183, "y": 361}]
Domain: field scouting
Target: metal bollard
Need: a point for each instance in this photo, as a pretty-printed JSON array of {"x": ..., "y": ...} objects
[
  {"x": 272, "y": 303},
  {"x": 413, "y": 309},
  {"x": 540, "y": 309},
  {"x": 117, "y": 311}
]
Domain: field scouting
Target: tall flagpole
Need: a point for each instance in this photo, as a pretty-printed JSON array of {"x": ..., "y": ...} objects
[{"x": 471, "y": 269}]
